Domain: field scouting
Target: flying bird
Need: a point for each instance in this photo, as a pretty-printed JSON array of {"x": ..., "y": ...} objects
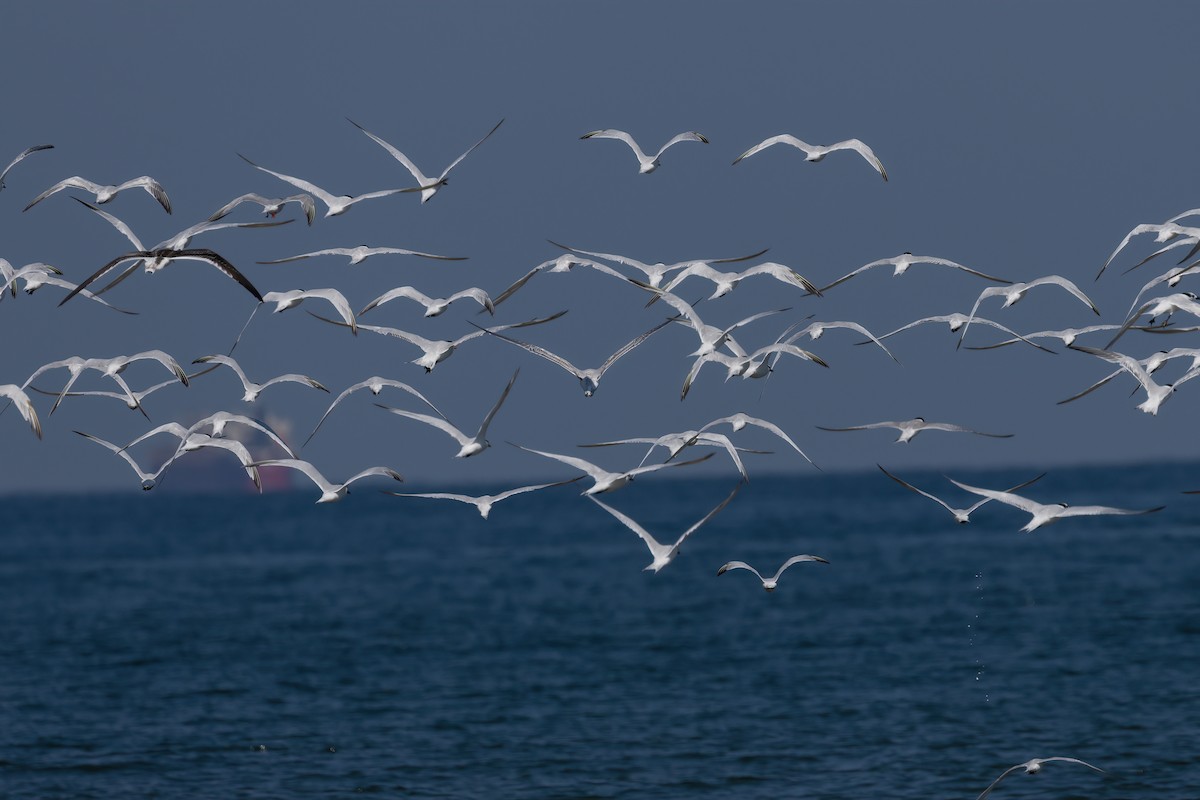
[
  {"x": 902, "y": 262},
  {"x": 335, "y": 204},
  {"x": 252, "y": 389},
  {"x": 1032, "y": 767},
  {"x": 293, "y": 297},
  {"x": 1043, "y": 514},
  {"x": 165, "y": 256},
  {"x": 646, "y": 164},
  {"x": 817, "y": 152},
  {"x": 961, "y": 515},
  {"x": 726, "y": 282},
  {"x": 270, "y": 205},
  {"x": 434, "y": 306},
  {"x": 1156, "y": 393},
  {"x": 602, "y": 479},
  {"x": 910, "y": 428},
  {"x": 428, "y": 187},
  {"x": 27, "y": 151},
  {"x": 376, "y": 384},
  {"x": 359, "y": 254},
  {"x": 1014, "y": 292},
  {"x": 105, "y": 193},
  {"x": 770, "y": 583},
  {"x": 483, "y": 503},
  {"x": 663, "y": 554},
  {"x": 330, "y": 492},
  {"x": 468, "y": 445},
  {"x": 16, "y": 395},
  {"x": 655, "y": 272},
  {"x": 957, "y": 321},
  {"x": 739, "y": 421}
]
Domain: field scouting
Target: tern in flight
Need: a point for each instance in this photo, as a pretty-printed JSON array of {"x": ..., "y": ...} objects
[
  {"x": 646, "y": 164},
  {"x": 817, "y": 152},
  {"x": 361, "y": 253},
  {"x": 961, "y": 515},
  {"x": 483, "y": 503},
  {"x": 164, "y": 256},
  {"x": 468, "y": 445},
  {"x": 663, "y": 554},
  {"x": 676, "y": 443},
  {"x": 1032, "y": 767},
  {"x": 330, "y": 492},
  {"x": 434, "y": 306},
  {"x": 1043, "y": 514},
  {"x": 293, "y": 297},
  {"x": 1013, "y": 294},
  {"x": 602, "y": 479},
  {"x": 1163, "y": 232},
  {"x": 770, "y": 583},
  {"x": 104, "y": 193},
  {"x": 336, "y": 204},
  {"x": 270, "y": 205},
  {"x": 21, "y": 157},
  {"x": 902, "y": 262},
  {"x": 957, "y": 321},
  {"x": 726, "y": 282},
  {"x": 16, "y": 395},
  {"x": 376, "y": 384},
  {"x": 655, "y": 272},
  {"x": 910, "y": 428},
  {"x": 739, "y": 421},
  {"x": 1156, "y": 393},
  {"x": 252, "y": 389},
  {"x": 428, "y": 187}
]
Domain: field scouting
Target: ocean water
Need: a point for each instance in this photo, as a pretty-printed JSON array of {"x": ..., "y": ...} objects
[{"x": 264, "y": 647}]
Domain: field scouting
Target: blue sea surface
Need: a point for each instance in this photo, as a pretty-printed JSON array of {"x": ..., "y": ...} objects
[{"x": 265, "y": 647}]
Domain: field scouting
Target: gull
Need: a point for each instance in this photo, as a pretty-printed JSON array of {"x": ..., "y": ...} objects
[
  {"x": 104, "y": 193},
  {"x": 589, "y": 379},
  {"x": 468, "y": 445},
  {"x": 1032, "y": 767},
  {"x": 483, "y": 503},
  {"x": 1156, "y": 394},
  {"x": 956, "y": 321},
  {"x": 961, "y": 515},
  {"x": 270, "y": 205},
  {"x": 739, "y": 421},
  {"x": 434, "y": 306},
  {"x": 663, "y": 554},
  {"x": 293, "y": 297},
  {"x": 646, "y": 164},
  {"x": 16, "y": 395},
  {"x": 816, "y": 152},
  {"x": 602, "y": 479},
  {"x": 27, "y": 151},
  {"x": 1163, "y": 232},
  {"x": 726, "y": 282},
  {"x": 815, "y": 330},
  {"x": 656, "y": 272},
  {"x": 435, "y": 352},
  {"x": 1160, "y": 307},
  {"x": 1151, "y": 364},
  {"x": 1067, "y": 336},
  {"x": 910, "y": 428},
  {"x": 1016, "y": 291},
  {"x": 359, "y": 254},
  {"x": 711, "y": 337},
  {"x": 330, "y": 492},
  {"x": 1041, "y": 514},
  {"x": 335, "y": 204},
  {"x": 770, "y": 583},
  {"x": 427, "y": 186},
  {"x": 164, "y": 256},
  {"x": 676, "y": 443},
  {"x": 251, "y": 388},
  {"x": 905, "y": 260},
  {"x": 376, "y": 384},
  {"x": 149, "y": 479}
]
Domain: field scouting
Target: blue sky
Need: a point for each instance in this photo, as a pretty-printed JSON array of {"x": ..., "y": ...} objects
[{"x": 1020, "y": 139}]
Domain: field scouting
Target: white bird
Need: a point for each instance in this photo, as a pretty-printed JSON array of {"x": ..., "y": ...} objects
[
  {"x": 27, "y": 151},
  {"x": 663, "y": 554},
  {"x": 1171, "y": 277},
  {"x": 770, "y": 583},
  {"x": 1043, "y": 514},
  {"x": 1032, "y": 767},
  {"x": 814, "y": 331},
  {"x": 910, "y": 428},
  {"x": 163, "y": 257},
  {"x": 758, "y": 364},
  {"x": 16, "y": 395},
  {"x": 589, "y": 379},
  {"x": 468, "y": 445},
  {"x": 190, "y": 440},
  {"x": 1066, "y": 335},
  {"x": 739, "y": 421},
  {"x": 270, "y": 205},
  {"x": 335, "y": 204},
  {"x": 217, "y": 423},
  {"x": 427, "y": 186},
  {"x": 1156, "y": 394},
  {"x": 10, "y": 274},
  {"x": 655, "y": 272},
  {"x": 434, "y": 351},
  {"x": 109, "y": 367},
  {"x": 961, "y": 515},
  {"x": 563, "y": 263},
  {"x": 36, "y": 279},
  {"x": 676, "y": 443},
  {"x": 602, "y": 479},
  {"x": 104, "y": 193},
  {"x": 711, "y": 337},
  {"x": 1014, "y": 292},
  {"x": 956, "y": 321},
  {"x": 133, "y": 400},
  {"x": 726, "y": 282},
  {"x": 376, "y": 384},
  {"x": 1151, "y": 364},
  {"x": 434, "y": 306},
  {"x": 330, "y": 492},
  {"x": 646, "y": 164},
  {"x": 1162, "y": 309},
  {"x": 361, "y": 253},
  {"x": 902, "y": 262},
  {"x": 483, "y": 503},
  {"x": 293, "y": 297},
  {"x": 816, "y": 152},
  {"x": 1163, "y": 232},
  {"x": 149, "y": 479},
  {"x": 252, "y": 389}
]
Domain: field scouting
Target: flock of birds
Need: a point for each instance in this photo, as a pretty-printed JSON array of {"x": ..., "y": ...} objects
[{"x": 717, "y": 344}]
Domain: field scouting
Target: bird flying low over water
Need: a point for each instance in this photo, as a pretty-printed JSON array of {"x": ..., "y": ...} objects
[
  {"x": 483, "y": 503},
  {"x": 770, "y": 583},
  {"x": 961, "y": 515},
  {"x": 664, "y": 554},
  {"x": 1032, "y": 767},
  {"x": 105, "y": 193},
  {"x": 428, "y": 187},
  {"x": 468, "y": 445},
  {"x": 21, "y": 157},
  {"x": 1043, "y": 514},
  {"x": 376, "y": 385},
  {"x": 330, "y": 492},
  {"x": 910, "y": 428},
  {"x": 602, "y": 479},
  {"x": 646, "y": 163},
  {"x": 817, "y": 152}
]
